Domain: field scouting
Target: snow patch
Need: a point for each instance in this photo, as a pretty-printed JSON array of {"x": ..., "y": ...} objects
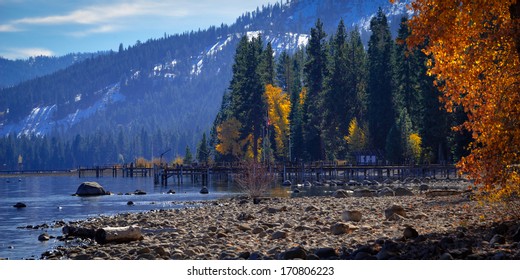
[{"x": 41, "y": 121}]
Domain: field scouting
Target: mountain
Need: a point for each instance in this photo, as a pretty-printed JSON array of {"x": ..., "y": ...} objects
[
  {"x": 163, "y": 93},
  {"x": 13, "y": 72}
]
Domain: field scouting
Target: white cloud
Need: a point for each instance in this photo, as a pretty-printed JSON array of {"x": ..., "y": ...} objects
[
  {"x": 23, "y": 53},
  {"x": 95, "y": 30},
  {"x": 8, "y": 28},
  {"x": 106, "y": 13}
]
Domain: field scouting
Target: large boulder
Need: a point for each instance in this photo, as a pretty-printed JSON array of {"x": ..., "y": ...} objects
[{"x": 91, "y": 189}]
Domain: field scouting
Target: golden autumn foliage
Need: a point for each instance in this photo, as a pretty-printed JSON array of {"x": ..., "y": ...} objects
[
  {"x": 357, "y": 138},
  {"x": 228, "y": 134},
  {"x": 475, "y": 59},
  {"x": 414, "y": 142},
  {"x": 279, "y": 107}
]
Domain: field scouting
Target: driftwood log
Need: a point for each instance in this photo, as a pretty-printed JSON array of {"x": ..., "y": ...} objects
[{"x": 118, "y": 234}]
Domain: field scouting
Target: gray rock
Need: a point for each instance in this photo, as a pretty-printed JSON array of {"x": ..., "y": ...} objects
[
  {"x": 341, "y": 193},
  {"x": 400, "y": 191},
  {"x": 279, "y": 235},
  {"x": 295, "y": 253},
  {"x": 395, "y": 209},
  {"x": 446, "y": 256},
  {"x": 339, "y": 228},
  {"x": 351, "y": 216},
  {"x": 139, "y": 192},
  {"x": 244, "y": 227},
  {"x": 410, "y": 232},
  {"x": 130, "y": 203},
  {"x": 364, "y": 193},
  {"x": 311, "y": 208},
  {"x": 44, "y": 237},
  {"x": 385, "y": 191},
  {"x": 497, "y": 239},
  {"x": 91, "y": 189},
  {"x": 20, "y": 205},
  {"x": 204, "y": 190},
  {"x": 423, "y": 188},
  {"x": 326, "y": 253},
  {"x": 245, "y": 217}
]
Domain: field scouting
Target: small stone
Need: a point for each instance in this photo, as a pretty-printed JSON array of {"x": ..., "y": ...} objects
[
  {"x": 161, "y": 251},
  {"x": 311, "y": 208},
  {"x": 364, "y": 193},
  {"x": 339, "y": 228},
  {"x": 257, "y": 230},
  {"x": 386, "y": 191},
  {"x": 20, "y": 205},
  {"x": 139, "y": 192},
  {"x": 326, "y": 253},
  {"x": 279, "y": 235},
  {"x": 204, "y": 190},
  {"x": 244, "y": 227},
  {"x": 212, "y": 229},
  {"x": 497, "y": 239},
  {"x": 144, "y": 250},
  {"x": 395, "y": 209},
  {"x": 130, "y": 203},
  {"x": 341, "y": 193},
  {"x": 410, "y": 232},
  {"x": 244, "y": 255},
  {"x": 44, "y": 237},
  {"x": 221, "y": 235},
  {"x": 400, "y": 191},
  {"x": 351, "y": 216},
  {"x": 245, "y": 217},
  {"x": 295, "y": 253}
]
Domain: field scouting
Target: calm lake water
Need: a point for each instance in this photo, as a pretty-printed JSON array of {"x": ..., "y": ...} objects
[{"x": 49, "y": 199}]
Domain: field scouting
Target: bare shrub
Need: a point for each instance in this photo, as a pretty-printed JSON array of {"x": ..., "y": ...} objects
[{"x": 254, "y": 178}]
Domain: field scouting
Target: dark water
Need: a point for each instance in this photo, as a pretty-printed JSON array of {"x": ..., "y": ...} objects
[{"x": 49, "y": 199}]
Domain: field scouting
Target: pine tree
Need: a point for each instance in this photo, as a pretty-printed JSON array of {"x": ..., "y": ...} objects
[
  {"x": 247, "y": 93},
  {"x": 380, "y": 107},
  {"x": 203, "y": 150},
  {"x": 337, "y": 103},
  {"x": 357, "y": 90},
  {"x": 315, "y": 73},
  {"x": 188, "y": 156},
  {"x": 267, "y": 65}
]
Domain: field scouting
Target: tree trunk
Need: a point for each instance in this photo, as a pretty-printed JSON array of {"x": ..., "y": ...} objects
[{"x": 118, "y": 234}]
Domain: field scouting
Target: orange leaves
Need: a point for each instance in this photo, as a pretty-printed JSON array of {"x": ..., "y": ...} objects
[
  {"x": 477, "y": 66},
  {"x": 228, "y": 134}
]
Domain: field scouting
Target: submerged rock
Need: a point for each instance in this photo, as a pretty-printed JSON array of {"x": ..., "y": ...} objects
[
  {"x": 91, "y": 189},
  {"x": 19, "y": 205}
]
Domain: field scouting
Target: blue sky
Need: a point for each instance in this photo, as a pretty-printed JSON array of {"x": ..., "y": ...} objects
[{"x": 58, "y": 27}]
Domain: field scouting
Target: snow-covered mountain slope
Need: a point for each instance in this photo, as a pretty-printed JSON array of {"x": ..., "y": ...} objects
[{"x": 170, "y": 83}]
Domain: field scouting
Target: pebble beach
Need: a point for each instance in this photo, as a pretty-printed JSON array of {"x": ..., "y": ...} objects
[{"x": 416, "y": 226}]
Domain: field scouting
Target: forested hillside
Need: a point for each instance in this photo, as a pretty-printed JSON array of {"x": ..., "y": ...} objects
[
  {"x": 156, "y": 95},
  {"x": 334, "y": 100}
]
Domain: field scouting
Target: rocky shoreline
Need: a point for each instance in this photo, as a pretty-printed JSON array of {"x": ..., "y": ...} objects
[{"x": 418, "y": 226}]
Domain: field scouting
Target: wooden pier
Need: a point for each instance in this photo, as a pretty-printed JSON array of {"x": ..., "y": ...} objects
[
  {"x": 115, "y": 171},
  {"x": 297, "y": 173}
]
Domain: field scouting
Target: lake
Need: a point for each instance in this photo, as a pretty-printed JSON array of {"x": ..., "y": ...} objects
[{"x": 49, "y": 199}]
